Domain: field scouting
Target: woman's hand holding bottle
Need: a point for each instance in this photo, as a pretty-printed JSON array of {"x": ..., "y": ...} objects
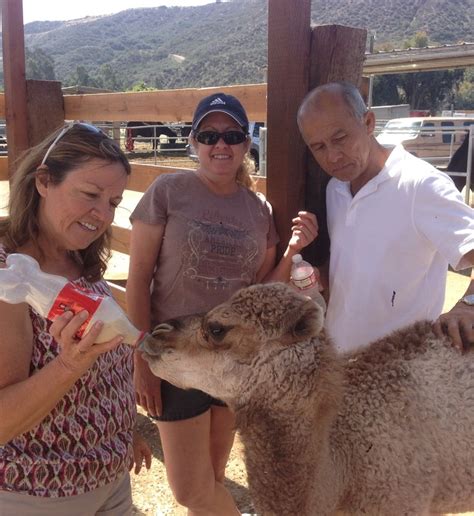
[{"x": 77, "y": 355}]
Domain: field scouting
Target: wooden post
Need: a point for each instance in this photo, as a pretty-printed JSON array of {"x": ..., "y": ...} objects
[
  {"x": 14, "y": 79},
  {"x": 45, "y": 109},
  {"x": 337, "y": 54},
  {"x": 289, "y": 39},
  {"x": 116, "y": 132}
]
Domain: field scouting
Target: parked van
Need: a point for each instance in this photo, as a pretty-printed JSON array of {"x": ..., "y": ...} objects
[{"x": 434, "y": 139}]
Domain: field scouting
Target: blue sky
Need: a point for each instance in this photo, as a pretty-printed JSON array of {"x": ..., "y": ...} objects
[{"x": 34, "y": 10}]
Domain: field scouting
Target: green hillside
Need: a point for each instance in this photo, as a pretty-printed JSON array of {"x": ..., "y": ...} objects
[{"x": 223, "y": 43}]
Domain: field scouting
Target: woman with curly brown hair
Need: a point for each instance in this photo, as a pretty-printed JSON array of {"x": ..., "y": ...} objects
[{"x": 67, "y": 405}]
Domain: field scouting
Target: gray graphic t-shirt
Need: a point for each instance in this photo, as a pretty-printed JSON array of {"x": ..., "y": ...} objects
[{"x": 212, "y": 245}]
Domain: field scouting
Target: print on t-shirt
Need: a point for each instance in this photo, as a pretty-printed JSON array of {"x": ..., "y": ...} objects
[{"x": 219, "y": 252}]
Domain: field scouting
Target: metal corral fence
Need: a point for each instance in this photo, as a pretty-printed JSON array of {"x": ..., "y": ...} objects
[
  {"x": 164, "y": 142},
  {"x": 3, "y": 138},
  {"x": 154, "y": 143}
]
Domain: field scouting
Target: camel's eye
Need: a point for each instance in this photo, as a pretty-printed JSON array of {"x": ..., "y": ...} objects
[{"x": 216, "y": 330}]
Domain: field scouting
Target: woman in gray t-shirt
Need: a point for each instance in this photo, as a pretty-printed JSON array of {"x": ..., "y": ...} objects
[{"x": 197, "y": 238}]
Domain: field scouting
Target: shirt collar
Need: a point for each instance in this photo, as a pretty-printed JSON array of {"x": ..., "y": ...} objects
[{"x": 385, "y": 173}]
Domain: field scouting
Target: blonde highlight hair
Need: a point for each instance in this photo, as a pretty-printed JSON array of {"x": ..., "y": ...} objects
[
  {"x": 77, "y": 146},
  {"x": 245, "y": 173}
]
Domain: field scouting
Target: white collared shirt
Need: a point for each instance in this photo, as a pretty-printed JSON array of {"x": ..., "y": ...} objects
[{"x": 390, "y": 248}]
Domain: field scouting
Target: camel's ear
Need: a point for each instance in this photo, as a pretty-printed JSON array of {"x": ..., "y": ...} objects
[{"x": 309, "y": 321}]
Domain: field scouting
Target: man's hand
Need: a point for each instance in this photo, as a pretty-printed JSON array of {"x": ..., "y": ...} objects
[{"x": 458, "y": 324}]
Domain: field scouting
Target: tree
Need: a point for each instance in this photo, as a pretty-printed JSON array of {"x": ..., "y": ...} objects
[
  {"x": 464, "y": 97},
  {"x": 419, "y": 40},
  {"x": 141, "y": 86},
  {"x": 81, "y": 77},
  {"x": 39, "y": 65},
  {"x": 386, "y": 90},
  {"x": 430, "y": 90},
  {"x": 107, "y": 78}
]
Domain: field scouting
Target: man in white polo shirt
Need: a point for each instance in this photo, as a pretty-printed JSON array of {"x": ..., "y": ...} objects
[{"x": 395, "y": 223}]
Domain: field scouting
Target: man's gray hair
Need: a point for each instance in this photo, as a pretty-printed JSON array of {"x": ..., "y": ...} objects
[
  {"x": 349, "y": 93},
  {"x": 353, "y": 99}
]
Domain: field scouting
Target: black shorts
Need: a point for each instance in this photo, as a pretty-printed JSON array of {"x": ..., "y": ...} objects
[{"x": 179, "y": 404}]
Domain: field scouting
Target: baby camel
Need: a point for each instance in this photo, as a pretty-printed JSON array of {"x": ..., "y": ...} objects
[{"x": 386, "y": 430}]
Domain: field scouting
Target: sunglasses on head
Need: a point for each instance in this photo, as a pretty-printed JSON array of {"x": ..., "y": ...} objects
[
  {"x": 229, "y": 137},
  {"x": 64, "y": 130}
]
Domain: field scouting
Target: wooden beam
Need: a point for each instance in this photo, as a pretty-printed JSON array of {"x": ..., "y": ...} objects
[
  {"x": 120, "y": 239},
  {"x": 3, "y": 168},
  {"x": 143, "y": 175},
  {"x": 337, "y": 54},
  {"x": 45, "y": 109},
  {"x": 119, "y": 295},
  {"x": 163, "y": 105},
  {"x": 420, "y": 59},
  {"x": 261, "y": 184},
  {"x": 2, "y": 105},
  {"x": 14, "y": 79},
  {"x": 289, "y": 38}
]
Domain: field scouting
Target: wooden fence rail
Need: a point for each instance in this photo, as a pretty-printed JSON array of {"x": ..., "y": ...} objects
[
  {"x": 3, "y": 168},
  {"x": 164, "y": 105},
  {"x": 160, "y": 105}
]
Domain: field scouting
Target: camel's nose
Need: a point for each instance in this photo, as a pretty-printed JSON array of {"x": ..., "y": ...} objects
[
  {"x": 149, "y": 346},
  {"x": 151, "y": 343},
  {"x": 166, "y": 327}
]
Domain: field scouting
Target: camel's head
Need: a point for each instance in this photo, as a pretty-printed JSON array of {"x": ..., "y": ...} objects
[{"x": 262, "y": 334}]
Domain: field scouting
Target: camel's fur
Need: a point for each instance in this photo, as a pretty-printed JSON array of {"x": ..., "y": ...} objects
[{"x": 386, "y": 430}]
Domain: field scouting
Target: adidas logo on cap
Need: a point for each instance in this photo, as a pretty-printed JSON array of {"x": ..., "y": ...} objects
[{"x": 216, "y": 101}]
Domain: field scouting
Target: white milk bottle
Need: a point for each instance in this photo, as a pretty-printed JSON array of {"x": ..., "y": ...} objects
[
  {"x": 50, "y": 295},
  {"x": 305, "y": 279}
]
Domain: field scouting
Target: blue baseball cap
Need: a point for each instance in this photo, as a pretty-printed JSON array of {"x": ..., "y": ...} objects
[{"x": 221, "y": 103}]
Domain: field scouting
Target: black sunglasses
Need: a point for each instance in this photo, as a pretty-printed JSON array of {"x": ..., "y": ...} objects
[
  {"x": 229, "y": 137},
  {"x": 65, "y": 129}
]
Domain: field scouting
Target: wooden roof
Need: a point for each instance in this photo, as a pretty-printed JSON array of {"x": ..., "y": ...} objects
[{"x": 420, "y": 59}]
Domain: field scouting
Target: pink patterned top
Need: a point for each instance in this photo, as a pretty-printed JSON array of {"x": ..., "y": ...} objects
[{"x": 86, "y": 441}]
